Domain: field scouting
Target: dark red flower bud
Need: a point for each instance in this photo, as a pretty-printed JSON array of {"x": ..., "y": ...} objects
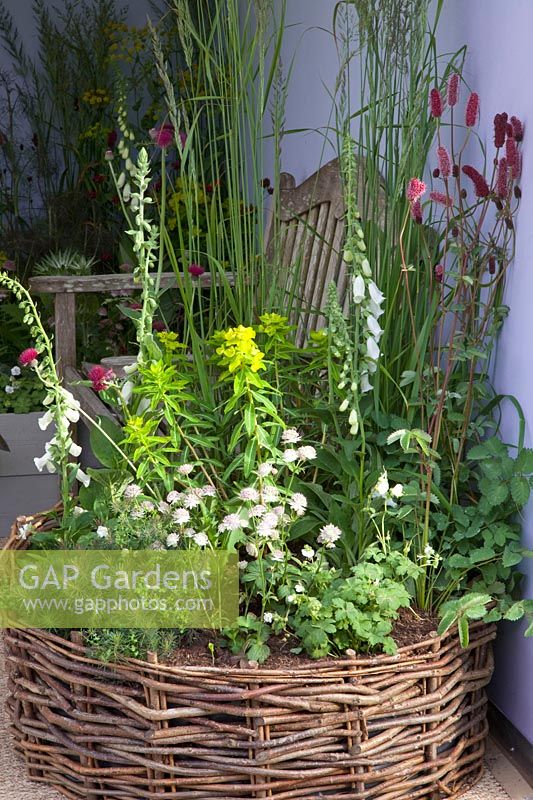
[
  {"x": 517, "y": 192},
  {"x": 509, "y": 223},
  {"x": 270, "y": 190},
  {"x": 265, "y": 183},
  {"x": 436, "y": 172},
  {"x": 463, "y": 194},
  {"x": 439, "y": 273},
  {"x": 455, "y": 231},
  {"x": 498, "y": 204},
  {"x": 455, "y": 170},
  {"x": 481, "y": 188},
  {"x": 492, "y": 265}
]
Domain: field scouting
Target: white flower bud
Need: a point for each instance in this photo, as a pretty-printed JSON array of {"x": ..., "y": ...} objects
[{"x": 343, "y": 406}]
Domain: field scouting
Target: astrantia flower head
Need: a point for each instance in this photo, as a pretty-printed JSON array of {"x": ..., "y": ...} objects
[
  {"x": 263, "y": 470},
  {"x": 290, "y": 436},
  {"x": 131, "y": 491},
  {"x": 453, "y": 90},
  {"x": 201, "y": 539},
  {"x": 415, "y": 189},
  {"x": 481, "y": 187},
  {"x": 100, "y": 377},
  {"x": 298, "y": 503},
  {"x": 185, "y": 469},
  {"x": 163, "y": 136},
  {"x": 15, "y": 371},
  {"x": 231, "y": 522},
  {"x": 472, "y": 109},
  {"x": 290, "y": 455},
  {"x": 435, "y": 103},
  {"x": 445, "y": 165},
  {"x": 191, "y": 500},
  {"x": 181, "y": 516},
  {"x": 173, "y": 539},
  {"x": 29, "y": 357},
  {"x": 249, "y": 493},
  {"x": 307, "y": 453},
  {"x": 258, "y": 510},
  {"x": 277, "y": 555},
  {"x": 270, "y": 494},
  {"x": 308, "y": 552},
  {"x": 328, "y": 535},
  {"x": 102, "y": 532}
]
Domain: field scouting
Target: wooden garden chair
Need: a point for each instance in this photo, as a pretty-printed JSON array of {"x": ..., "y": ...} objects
[{"x": 306, "y": 242}]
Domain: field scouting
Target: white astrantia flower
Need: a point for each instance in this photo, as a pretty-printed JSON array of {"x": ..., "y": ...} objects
[
  {"x": 231, "y": 522},
  {"x": 201, "y": 539},
  {"x": 173, "y": 539},
  {"x": 9, "y": 389},
  {"x": 131, "y": 491},
  {"x": 185, "y": 469},
  {"x": 382, "y": 486},
  {"x": 358, "y": 289},
  {"x": 308, "y": 552},
  {"x": 307, "y": 453},
  {"x": 298, "y": 503},
  {"x": 290, "y": 455},
  {"x": 252, "y": 550},
  {"x": 163, "y": 507},
  {"x": 290, "y": 436},
  {"x": 267, "y": 531},
  {"x": 328, "y": 535},
  {"x": 77, "y": 510},
  {"x": 191, "y": 500},
  {"x": 16, "y": 371},
  {"x": 270, "y": 494},
  {"x": 258, "y": 510},
  {"x": 299, "y": 587},
  {"x": 172, "y": 497},
  {"x": 102, "y": 532},
  {"x": 268, "y": 617},
  {"x": 208, "y": 491},
  {"x": 181, "y": 516},
  {"x": 249, "y": 493},
  {"x": 147, "y": 506},
  {"x": 266, "y": 469},
  {"x": 189, "y": 533},
  {"x": 243, "y": 564},
  {"x": 277, "y": 555},
  {"x": 397, "y": 490}
]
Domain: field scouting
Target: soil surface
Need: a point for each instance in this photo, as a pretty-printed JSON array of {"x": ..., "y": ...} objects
[{"x": 411, "y": 627}]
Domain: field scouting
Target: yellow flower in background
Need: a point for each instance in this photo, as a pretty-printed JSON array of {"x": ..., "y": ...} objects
[{"x": 96, "y": 97}]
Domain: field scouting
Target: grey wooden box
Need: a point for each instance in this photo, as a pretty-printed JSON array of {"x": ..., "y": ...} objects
[{"x": 23, "y": 490}]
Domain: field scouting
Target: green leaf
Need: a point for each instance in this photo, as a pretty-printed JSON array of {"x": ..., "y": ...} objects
[
  {"x": 511, "y": 557},
  {"x": 515, "y": 612},
  {"x": 104, "y": 449},
  {"x": 464, "y": 633},
  {"x": 249, "y": 419},
  {"x": 520, "y": 490}
]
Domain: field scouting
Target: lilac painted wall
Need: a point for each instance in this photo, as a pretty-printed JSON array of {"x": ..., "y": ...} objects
[{"x": 500, "y": 62}]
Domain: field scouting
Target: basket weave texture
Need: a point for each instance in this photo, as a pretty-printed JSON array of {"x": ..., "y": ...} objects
[{"x": 397, "y": 727}]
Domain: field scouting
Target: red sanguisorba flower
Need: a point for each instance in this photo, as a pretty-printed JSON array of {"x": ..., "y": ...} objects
[
  {"x": 445, "y": 165},
  {"x": 512, "y": 156},
  {"x": 435, "y": 103},
  {"x": 481, "y": 187},
  {"x": 518, "y": 129},
  {"x": 500, "y": 129},
  {"x": 416, "y": 212},
  {"x": 502, "y": 178},
  {"x": 453, "y": 90},
  {"x": 100, "y": 377},
  {"x": 415, "y": 189},
  {"x": 472, "y": 109},
  {"x": 29, "y": 357},
  {"x": 441, "y": 198}
]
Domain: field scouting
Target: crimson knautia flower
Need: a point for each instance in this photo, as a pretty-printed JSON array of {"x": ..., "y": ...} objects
[
  {"x": 158, "y": 326},
  {"x": 453, "y": 90},
  {"x": 513, "y": 159},
  {"x": 502, "y": 178},
  {"x": 415, "y": 189},
  {"x": 440, "y": 197},
  {"x": 163, "y": 136},
  {"x": 435, "y": 103},
  {"x": 481, "y": 187},
  {"x": 500, "y": 129},
  {"x": 196, "y": 270},
  {"x": 439, "y": 273},
  {"x": 29, "y": 357},
  {"x": 472, "y": 109},
  {"x": 518, "y": 129},
  {"x": 100, "y": 377},
  {"x": 445, "y": 165}
]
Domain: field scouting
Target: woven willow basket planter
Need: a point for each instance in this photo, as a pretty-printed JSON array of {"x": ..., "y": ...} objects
[{"x": 397, "y": 727}]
